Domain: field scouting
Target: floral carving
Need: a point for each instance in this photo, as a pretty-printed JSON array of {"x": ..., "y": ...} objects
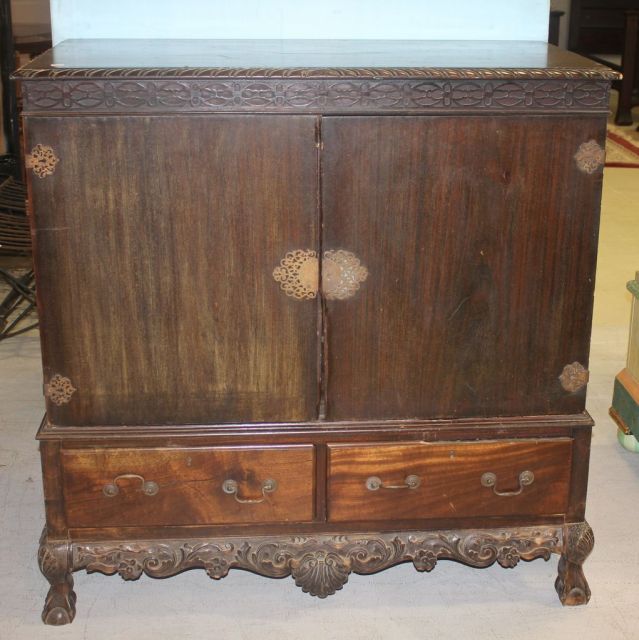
[
  {"x": 320, "y": 564},
  {"x": 573, "y": 377},
  {"x": 590, "y": 156},
  {"x": 59, "y": 389},
  {"x": 42, "y": 160}
]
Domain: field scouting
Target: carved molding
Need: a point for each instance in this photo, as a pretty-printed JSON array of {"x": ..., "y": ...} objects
[
  {"x": 574, "y": 377},
  {"x": 599, "y": 72},
  {"x": 59, "y": 389},
  {"x": 590, "y": 156},
  {"x": 320, "y": 565},
  {"x": 316, "y": 95}
]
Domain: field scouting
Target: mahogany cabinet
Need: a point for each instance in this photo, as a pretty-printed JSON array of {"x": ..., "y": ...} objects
[{"x": 313, "y": 308}]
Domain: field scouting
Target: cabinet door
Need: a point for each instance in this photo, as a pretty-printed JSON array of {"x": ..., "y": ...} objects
[
  {"x": 479, "y": 238},
  {"x": 156, "y": 240}
]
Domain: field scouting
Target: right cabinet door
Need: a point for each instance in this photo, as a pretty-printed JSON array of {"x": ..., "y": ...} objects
[{"x": 479, "y": 238}]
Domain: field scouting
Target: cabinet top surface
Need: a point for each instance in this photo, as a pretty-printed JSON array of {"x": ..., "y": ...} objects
[{"x": 310, "y": 59}]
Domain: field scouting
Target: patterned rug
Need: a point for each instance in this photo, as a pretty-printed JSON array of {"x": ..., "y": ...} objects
[{"x": 622, "y": 147}]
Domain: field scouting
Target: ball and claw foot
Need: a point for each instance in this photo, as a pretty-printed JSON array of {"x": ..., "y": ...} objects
[
  {"x": 53, "y": 558},
  {"x": 571, "y": 584},
  {"x": 59, "y": 607}
]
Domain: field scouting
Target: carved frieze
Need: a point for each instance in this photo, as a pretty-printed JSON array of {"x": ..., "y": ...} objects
[
  {"x": 320, "y": 565},
  {"x": 317, "y": 95}
]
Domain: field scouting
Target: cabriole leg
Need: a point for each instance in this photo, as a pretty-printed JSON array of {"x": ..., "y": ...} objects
[
  {"x": 54, "y": 561},
  {"x": 571, "y": 583}
]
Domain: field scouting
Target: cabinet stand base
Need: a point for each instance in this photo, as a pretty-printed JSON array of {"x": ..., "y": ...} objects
[{"x": 319, "y": 564}]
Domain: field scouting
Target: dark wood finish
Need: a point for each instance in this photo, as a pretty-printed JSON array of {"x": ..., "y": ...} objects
[
  {"x": 444, "y": 330},
  {"x": 450, "y": 479},
  {"x": 169, "y": 272},
  {"x": 463, "y": 313},
  {"x": 88, "y": 58},
  {"x": 189, "y": 486}
]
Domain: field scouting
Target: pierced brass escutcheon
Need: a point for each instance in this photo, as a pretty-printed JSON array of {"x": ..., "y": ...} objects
[
  {"x": 489, "y": 480},
  {"x": 230, "y": 486},
  {"x": 59, "y": 389},
  {"x": 574, "y": 376},
  {"x": 298, "y": 274},
  {"x": 149, "y": 487},
  {"x": 42, "y": 160},
  {"x": 410, "y": 482},
  {"x": 590, "y": 156}
]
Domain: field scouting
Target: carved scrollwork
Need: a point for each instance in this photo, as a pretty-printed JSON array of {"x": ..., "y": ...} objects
[
  {"x": 321, "y": 564},
  {"x": 444, "y": 91},
  {"x": 59, "y": 389}
]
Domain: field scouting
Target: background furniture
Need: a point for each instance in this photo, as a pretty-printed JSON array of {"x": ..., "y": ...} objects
[
  {"x": 313, "y": 311},
  {"x": 625, "y": 400},
  {"x": 608, "y": 32},
  {"x": 16, "y": 271}
]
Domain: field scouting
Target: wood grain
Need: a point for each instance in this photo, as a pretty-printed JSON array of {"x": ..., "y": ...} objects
[
  {"x": 156, "y": 240},
  {"x": 190, "y": 485},
  {"x": 479, "y": 236},
  {"x": 450, "y": 475}
]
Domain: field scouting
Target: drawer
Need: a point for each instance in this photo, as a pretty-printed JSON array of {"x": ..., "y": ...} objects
[
  {"x": 219, "y": 485},
  {"x": 443, "y": 480}
]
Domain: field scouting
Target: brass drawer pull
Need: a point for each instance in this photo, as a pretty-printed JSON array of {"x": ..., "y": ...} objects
[
  {"x": 490, "y": 480},
  {"x": 149, "y": 487},
  {"x": 410, "y": 482},
  {"x": 230, "y": 486}
]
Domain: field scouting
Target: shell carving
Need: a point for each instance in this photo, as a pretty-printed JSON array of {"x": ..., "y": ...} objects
[{"x": 321, "y": 573}]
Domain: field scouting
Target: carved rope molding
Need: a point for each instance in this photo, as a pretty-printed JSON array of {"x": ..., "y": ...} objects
[
  {"x": 314, "y": 95},
  {"x": 597, "y": 72},
  {"x": 321, "y": 564}
]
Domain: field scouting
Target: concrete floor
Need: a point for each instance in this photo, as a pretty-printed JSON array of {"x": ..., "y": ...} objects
[{"x": 452, "y": 602}]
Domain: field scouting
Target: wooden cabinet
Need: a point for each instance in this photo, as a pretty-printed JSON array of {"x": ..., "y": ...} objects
[{"x": 313, "y": 312}]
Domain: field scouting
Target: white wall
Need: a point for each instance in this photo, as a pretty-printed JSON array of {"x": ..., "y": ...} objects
[{"x": 387, "y": 19}]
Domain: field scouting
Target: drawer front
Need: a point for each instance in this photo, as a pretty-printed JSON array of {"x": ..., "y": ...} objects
[
  {"x": 222, "y": 485},
  {"x": 447, "y": 480}
]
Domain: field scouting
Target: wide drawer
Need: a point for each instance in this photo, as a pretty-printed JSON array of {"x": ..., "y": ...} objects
[
  {"x": 131, "y": 487},
  {"x": 452, "y": 479}
]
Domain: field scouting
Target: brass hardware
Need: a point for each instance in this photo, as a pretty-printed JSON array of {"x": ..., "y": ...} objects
[
  {"x": 41, "y": 160},
  {"x": 410, "y": 482},
  {"x": 230, "y": 486},
  {"x": 342, "y": 274},
  {"x": 59, "y": 390},
  {"x": 149, "y": 487},
  {"x": 590, "y": 156},
  {"x": 574, "y": 377},
  {"x": 489, "y": 480},
  {"x": 298, "y": 274}
]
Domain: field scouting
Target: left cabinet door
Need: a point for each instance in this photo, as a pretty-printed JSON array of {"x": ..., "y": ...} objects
[{"x": 155, "y": 243}]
